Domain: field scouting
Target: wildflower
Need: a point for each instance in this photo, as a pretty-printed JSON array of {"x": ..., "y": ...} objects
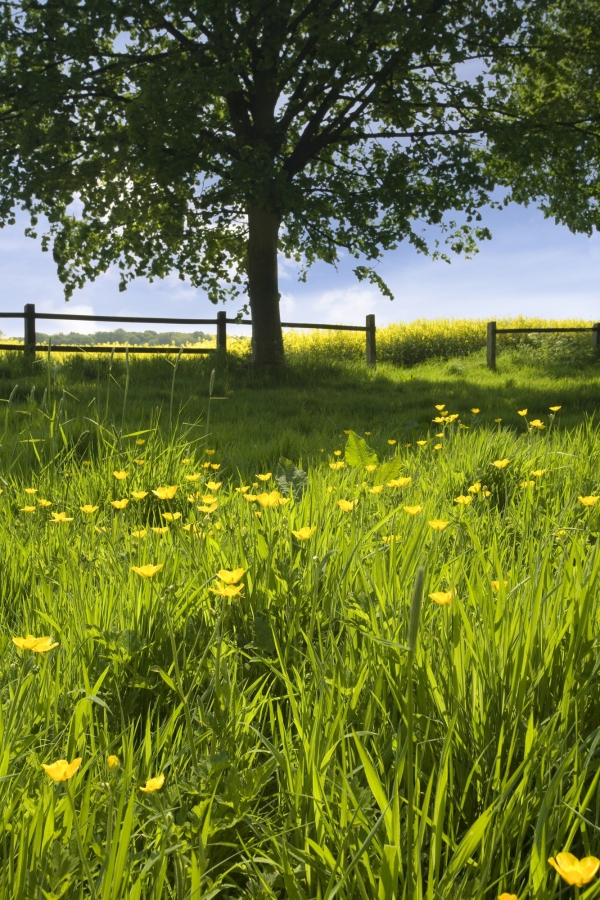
[
  {"x": 475, "y": 488},
  {"x": 28, "y": 509},
  {"x": 536, "y": 423},
  {"x": 452, "y": 417},
  {"x": 442, "y": 598},
  {"x": 588, "y": 501},
  {"x": 507, "y": 897},
  {"x": 398, "y": 482},
  {"x": 36, "y": 645},
  {"x": 193, "y": 477},
  {"x": 186, "y": 461},
  {"x": 61, "y": 770},
  {"x": 212, "y": 507},
  {"x": 243, "y": 489},
  {"x": 210, "y": 452},
  {"x": 88, "y": 508},
  {"x": 337, "y": 465},
  {"x": 522, "y": 412},
  {"x": 121, "y": 476},
  {"x": 554, "y": 409},
  {"x": 390, "y": 538},
  {"x": 463, "y": 499},
  {"x": 497, "y": 421},
  {"x": 437, "y": 524},
  {"x": 227, "y": 590},
  {"x": 230, "y": 576},
  {"x": 439, "y": 419},
  {"x": 441, "y": 434},
  {"x": 486, "y": 493},
  {"x": 206, "y": 465},
  {"x": 437, "y": 447},
  {"x": 215, "y": 466},
  {"x": 86, "y": 462},
  {"x": 113, "y": 763},
  {"x": 139, "y": 495},
  {"x": 412, "y": 510},
  {"x": 377, "y": 489},
  {"x": 249, "y": 497},
  {"x": 155, "y": 784},
  {"x": 165, "y": 493},
  {"x": 527, "y": 484},
  {"x": 42, "y": 502},
  {"x": 371, "y": 467},
  {"x": 304, "y": 533},
  {"x": 575, "y": 871},
  {"x": 140, "y": 534},
  {"x": 213, "y": 485},
  {"x": 337, "y": 452},
  {"x": 147, "y": 571},
  {"x": 538, "y": 472},
  {"x": 475, "y": 410},
  {"x": 119, "y": 504},
  {"x": 501, "y": 463},
  {"x": 271, "y": 499},
  {"x": 421, "y": 443},
  {"x": 31, "y": 490},
  {"x": 347, "y": 505},
  {"x": 367, "y": 432},
  {"x": 160, "y": 529},
  {"x": 140, "y": 442},
  {"x": 441, "y": 406},
  {"x": 391, "y": 442},
  {"x": 61, "y": 517},
  {"x": 171, "y": 517},
  {"x": 264, "y": 477},
  {"x": 496, "y": 584},
  {"x": 208, "y": 498},
  {"x": 139, "y": 462}
]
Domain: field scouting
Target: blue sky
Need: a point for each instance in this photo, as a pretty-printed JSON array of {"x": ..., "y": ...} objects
[{"x": 531, "y": 267}]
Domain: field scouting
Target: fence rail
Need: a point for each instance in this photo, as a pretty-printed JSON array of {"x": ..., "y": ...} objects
[
  {"x": 30, "y": 345},
  {"x": 493, "y": 331}
]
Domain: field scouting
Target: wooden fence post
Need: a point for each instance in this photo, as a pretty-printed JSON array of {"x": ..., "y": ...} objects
[
  {"x": 371, "y": 345},
  {"x": 29, "y": 335},
  {"x": 596, "y": 337},
  {"x": 222, "y": 330},
  {"x": 491, "y": 345}
]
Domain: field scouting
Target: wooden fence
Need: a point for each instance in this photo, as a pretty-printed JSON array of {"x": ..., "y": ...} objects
[
  {"x": 221, "y": 321},
  {"x": 493, "y": 330}
]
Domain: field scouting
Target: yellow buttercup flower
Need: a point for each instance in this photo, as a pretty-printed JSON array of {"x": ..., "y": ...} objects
[
  {"x": 208, "y": 498},
  {"x": 230, "y": 576},
  {"x": 390, "y": 538},
  {"x": 139, "y": 462},
  {"x": 243, "y": 489},
  {"x": 304, "y": 533},
  {"x": 251, "y": 498},
  {"x": 28, "y": 509},
  {"x": 554, "y": 408},
  {"x": 264, "y": 477},
  {"x": 213, "y": 485},
  {"x": 119, "y": 504},
  {"x": 158, "y": 529},
  {"x": 61, "y": 517},
  {"x": 370, "y": 468},
  {"x": 121, "y": 476},
  {"x": 193, "y": 477},
  {"x": 497, "y": 421},
  {"x": 36, "y": 645},
  {"x": 61, "y": 770},
  {"x": 186, "y": 461},
  {"x": 171, "y": 517},
  {"x": 139, "y": 495},
  {"x": 421, "y": 443},
  {"x": 475, "y": 488},
  {"x": 412, "y": 510},
  {"x": 538, "y": 472},
  {"x": 440, "y": 435},
  {"x": 440, "y": 406},
  {"x": 140, "y": 442},
  {"x": 486, "y": 493},
  {"x": 398, "y": 482},
  {"x": 522, "y": 412},
  {"x": 337, "y": 465},
  {"x": 215, "y": 466},
  {"x": 575, "y": 871},
  {"x": 113, "y": 763},
  {"x": 501, "y": 463},
  {"x": 212, "y": 507},
  {"x": 367, "y": 432},
  {"x": 347, "y": 505},
  {"x": 227, "y": 590},
  {"x": 147, "y": 571},
  {"x": 536, "y": 423},
  {"x": 437, "y": 524},
  {"x": 271, "y": 499},
  {"x": 475, "y": 410},
  {"x": 42, "y": 502},
  {"x": 507, "y": 897},
  {"x": 588, "y": 501},
  {"x": 31, "y": 490},
  {"x": 377, "y": 489},
  {"x": 88, "y": 508},
  {"x": 437, "y": 447},
  {"x": 391, "y": 442},
  {"x": 496, "y": 584},
  {"x": 139, "y": 534},
  {"x": 439, "y": 419},
  {"x": 464, "y": 499},
  {"x": 165, "y": 493},
  {"x": 442, "y": 598},
  {"x": 154, "y": 784},
  {"x": 210, "y": 452}
]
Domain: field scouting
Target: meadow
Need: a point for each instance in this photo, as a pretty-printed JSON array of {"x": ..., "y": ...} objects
[{"x": 335, "y": 635}]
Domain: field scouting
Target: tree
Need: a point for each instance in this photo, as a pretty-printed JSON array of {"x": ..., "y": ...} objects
[{"x": 201, "y": 136}]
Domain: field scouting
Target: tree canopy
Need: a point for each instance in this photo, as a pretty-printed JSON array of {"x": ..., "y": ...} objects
[{"x": 202, "y": 137}]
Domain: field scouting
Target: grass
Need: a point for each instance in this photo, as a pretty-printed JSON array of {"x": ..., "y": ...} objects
[{"x": 330, "y": 730}]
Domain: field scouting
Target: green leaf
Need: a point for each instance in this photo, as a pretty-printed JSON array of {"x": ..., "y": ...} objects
[
  {"x": 358, "y": 453},
  {"x": 291, "y": 480},
  {"x": 388, "y": 470}
]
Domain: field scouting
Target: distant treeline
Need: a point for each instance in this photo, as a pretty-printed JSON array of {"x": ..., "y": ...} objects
[{"x": 120, "y": 336}]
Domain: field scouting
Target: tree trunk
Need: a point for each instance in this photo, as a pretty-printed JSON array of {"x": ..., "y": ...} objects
[{"x": 267, "y": 338}]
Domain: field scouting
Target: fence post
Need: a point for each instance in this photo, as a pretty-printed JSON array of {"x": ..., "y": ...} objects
[
  {"x": 29, "y": 336},
  {"x": 596, "y": 337},
  {"x": 491, "y": 345},
  {"x": 371, "y": 345},
  {"x": 222, "y": 330}
]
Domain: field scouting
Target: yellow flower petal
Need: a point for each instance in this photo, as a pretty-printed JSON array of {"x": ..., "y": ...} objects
[
  {"x": 119, "y": 504},
  {"x": 347, "y": 505},
  {"x": 304, "y": 533},
  {"x": 121, "y": 476},
  {"x": 437, "y": 524},
  {"x": 501, "y": 463},
  {"x": 442, "y": 598},
  {"x": 147, "y": 571},
  {"x": 230, "y": 576},
  {"x": 36, "y": 645},
  {"x": 61, "y": 770},
  {"x": 139, "y": 495},
  {"x": 165, "y": 493},
  {"x": 412, "y": 510},
  {"x": 153, "y": 784}
]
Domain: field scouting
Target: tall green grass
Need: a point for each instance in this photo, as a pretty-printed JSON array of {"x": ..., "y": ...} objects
[{"x": 314, "y": 743}]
